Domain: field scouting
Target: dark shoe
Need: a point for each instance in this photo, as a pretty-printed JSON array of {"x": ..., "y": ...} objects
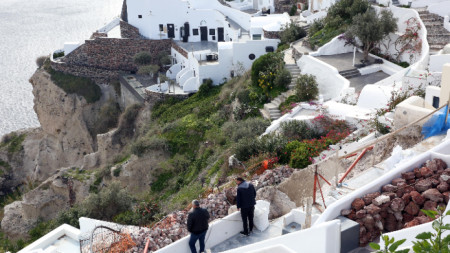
[{"x": 243, "y": 233}]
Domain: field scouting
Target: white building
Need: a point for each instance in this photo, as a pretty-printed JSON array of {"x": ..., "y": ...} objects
[{"x": 213, "y": 40}]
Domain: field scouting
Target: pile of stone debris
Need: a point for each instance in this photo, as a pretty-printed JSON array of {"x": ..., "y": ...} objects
[
  {"x": 399, "y": 203},
  {"x": 173, "y": 227}
]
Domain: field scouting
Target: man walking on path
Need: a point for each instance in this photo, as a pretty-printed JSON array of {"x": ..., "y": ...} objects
[
  {"x": 246, "y": 202},
  {"x": 197, "y": 225}
]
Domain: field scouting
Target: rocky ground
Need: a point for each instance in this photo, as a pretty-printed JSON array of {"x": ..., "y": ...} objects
[
  {"x": 173, "y": 227},
  {"x": 398, "y": 204}
]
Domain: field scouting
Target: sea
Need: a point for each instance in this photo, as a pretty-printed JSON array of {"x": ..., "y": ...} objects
[{"x": 32, "y": 28}]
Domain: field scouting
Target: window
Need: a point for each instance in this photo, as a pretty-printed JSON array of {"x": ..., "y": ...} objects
[
  {"x": 269, "y": 49},
  {"x": 161, "y": 27},
  {"x": 139, "y": 16},
  {"x": 194, "y": 31},
  {"x": 257, "y": 36},
  {"x": 251, "y": 56},
  {"x": 212, "y": 31}
]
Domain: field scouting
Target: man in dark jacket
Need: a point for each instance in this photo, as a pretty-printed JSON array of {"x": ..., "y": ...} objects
[
  {"x": 246, "y": 202},
  {"x": 197, "y": 225}
]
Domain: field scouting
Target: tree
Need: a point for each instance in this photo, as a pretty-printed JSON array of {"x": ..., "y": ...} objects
[
  {"x": 307, "y": 88},
  {"x": 142, "y": 58},
  {"x": 371, "y": 28},
  {"x": 150, "y": 70},
  {"x": 291, "y": 32}
]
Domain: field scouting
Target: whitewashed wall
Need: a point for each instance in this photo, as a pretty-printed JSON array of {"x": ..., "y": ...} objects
[
  {"x": 335, "y": 46},
  {"x": 317, "y": 5},
  {"x": 331, "y": 83},
  {"x": 437, "y": 62},
  {"x": 325, "y": 237},
  {"x": 176, "y": 12}
]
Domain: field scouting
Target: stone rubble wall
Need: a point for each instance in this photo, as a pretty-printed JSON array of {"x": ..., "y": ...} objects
[
  {"x": 173, "y": 226},
  {"x": 128, "y": 31},
  {"x": 398, "y": 204}
]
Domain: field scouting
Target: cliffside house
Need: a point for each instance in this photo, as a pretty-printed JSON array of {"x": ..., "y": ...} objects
[{"x": 212, "y": 41}]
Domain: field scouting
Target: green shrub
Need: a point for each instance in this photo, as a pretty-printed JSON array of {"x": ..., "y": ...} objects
[
  {"x": 307, "y": 87},
  {"x": 298, "y": 130},
  {"x": 125, "y": 128},
  {"x": 81, "y": 86},
  {"x": 149, "y": 70},
  {"x": 161, "y": 182},
  {"x": 403, "y": 64},
  {"x": 285, "y": 156},
  {"x": 293, "y": 10},
  {"x": 269, "y": 62},
  {"x": 117, "y": 170},
  {"x": 291, "y": 33},
  {"x": 145, "y": 144},
  {"x": 205, "y": 87},
  {"x": 248, "y": 128},
  {"x": 108, "y": 202},
  {"x": 283, "y": 78},
  {"x": 107, "y": 117},
  {"x": 272, "y": 144},
  {"x": 245, "y": 148},
  {"x": 58, "y": 55},
  {"x": 302, "y": 156},
  {"x": 13, "y": 142},
  {"x": 282, "y": 47},
  {"x": 41, "y": 60},
  {"x": 142, "y": 58}
]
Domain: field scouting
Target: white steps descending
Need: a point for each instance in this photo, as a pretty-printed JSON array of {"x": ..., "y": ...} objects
[
  {"x": 271, "y": 110},
  {"x": 350, "y": 73}
]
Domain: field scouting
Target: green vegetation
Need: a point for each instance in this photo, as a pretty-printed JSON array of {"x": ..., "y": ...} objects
[
  {"x": 371, "y": 28},
  {"x": 13, "y": 142},
  {"x": 269, "y": 78},
  {"x": 58, "y": 55},
  {"x": 78, "y": 174},
  {"x": 71, "y": 84},
  {"x": 41, "y": 60},
  {"x": 293, "y": 10},
  {"x": 339, "y": 17},
  {"x": 142, "y": 58},
  {"x": 291, "y": 33},
  {"x": 306, "y": 88}
]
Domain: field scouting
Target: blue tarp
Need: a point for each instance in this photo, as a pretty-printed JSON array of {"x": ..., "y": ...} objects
[{"x": 436, "y": 124}]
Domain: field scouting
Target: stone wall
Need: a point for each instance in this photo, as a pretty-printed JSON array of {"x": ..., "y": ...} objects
[
  {"x": 271, "y": 35},
  {"x": 180, "y": 50},
  {"x": 128, "y": 31},
  {"x": 100, "y": 76},
  {"x": 114, "y": 54}
]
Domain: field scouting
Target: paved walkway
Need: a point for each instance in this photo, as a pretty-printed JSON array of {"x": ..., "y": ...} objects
[
  {"x": 360, "y": 81},
  {"x": 343, "y": 61}
]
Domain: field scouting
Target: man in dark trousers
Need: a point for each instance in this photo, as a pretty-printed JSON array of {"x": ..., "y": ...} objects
[
  {"x": 246, "y": 202},
  {"x": 197, "y": 225}
]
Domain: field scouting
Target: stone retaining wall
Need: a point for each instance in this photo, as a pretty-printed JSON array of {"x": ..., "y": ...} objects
[
  {"x": 271, "y": 35},
  {"x": 128, "y": 31},
  {"x": 398, "y": 204}
]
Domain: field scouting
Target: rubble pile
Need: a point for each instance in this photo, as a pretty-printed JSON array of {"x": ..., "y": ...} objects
[
  {"x": 173, "y": 226},
  {"x": 398, "y": 204}
]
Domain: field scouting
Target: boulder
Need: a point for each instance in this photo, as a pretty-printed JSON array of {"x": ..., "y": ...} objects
[
  {"x": 358, "y": 204},
  {"x": 361, "y": 214},
  {"x": 389, "y": 188},
  {"x": 372, "y": 209},
  {"x": 408, "y": 175},
  {"x": 442, "y": 187},
  {"x": 423, "y": 185},
  {"x": 430, "y": 205},
  {"x": 378, "y": 201},
  {"x": 434, "y": 195},
  {"x": 417, "y": 198},
  {"x": 396, "y": 181},
  {"x": 446, "y": 196},
  {"x": 412, "y": 208},
  {"x": 426, "y": 172},
  {"x": 369, "y": 197},
  {"x": 280, "y": 204},
  {"x": 397, "y": 205}
]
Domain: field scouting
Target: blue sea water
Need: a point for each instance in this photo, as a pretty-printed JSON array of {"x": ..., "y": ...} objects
[{"x": 31, "y": 28}]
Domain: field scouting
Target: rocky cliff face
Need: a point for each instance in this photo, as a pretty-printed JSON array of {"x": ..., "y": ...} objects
[{"x": 62, "y": 141}]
